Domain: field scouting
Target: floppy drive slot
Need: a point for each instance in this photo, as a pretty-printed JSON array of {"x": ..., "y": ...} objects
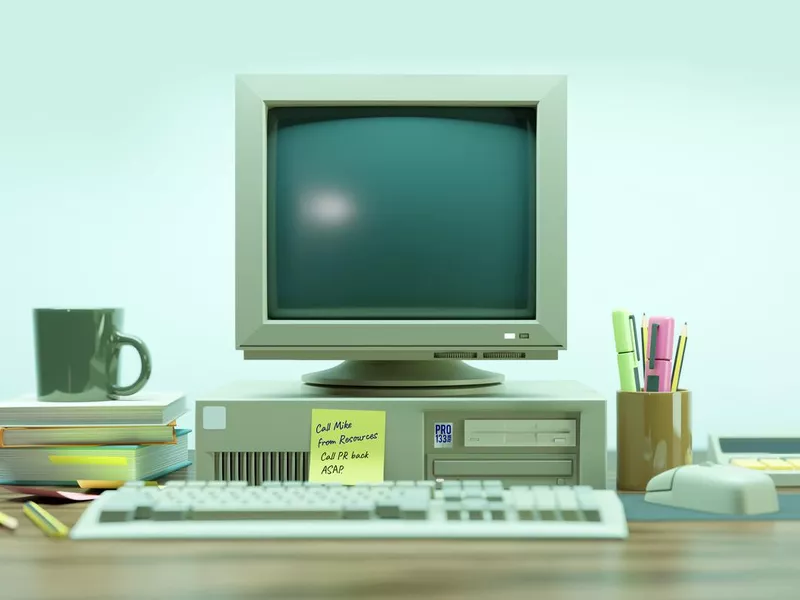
[
  {"x": 519, "y": 433},
  {"x": 502, "y": 468}
]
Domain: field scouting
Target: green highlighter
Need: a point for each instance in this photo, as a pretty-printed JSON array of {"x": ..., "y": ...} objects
[{"x": 627, "y": 350}]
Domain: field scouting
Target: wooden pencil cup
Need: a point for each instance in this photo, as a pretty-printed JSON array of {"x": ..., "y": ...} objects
[{"x": 654, "y": 434}]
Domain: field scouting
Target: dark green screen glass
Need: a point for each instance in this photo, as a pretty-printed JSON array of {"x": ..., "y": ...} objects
[{"x": 401, "y": 213}]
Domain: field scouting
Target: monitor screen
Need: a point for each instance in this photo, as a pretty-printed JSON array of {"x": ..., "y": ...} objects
[{"x": 401, "y": 213}]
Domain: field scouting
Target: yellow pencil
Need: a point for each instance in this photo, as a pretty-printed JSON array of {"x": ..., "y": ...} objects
[
  {"x": 49, "y": 525},
  {"x": 678, "y": 366},
  {"x": 8, "y": 521}
]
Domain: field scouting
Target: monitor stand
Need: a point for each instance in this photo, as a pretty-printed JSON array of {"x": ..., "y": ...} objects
[{"x": 405, "y": 377}]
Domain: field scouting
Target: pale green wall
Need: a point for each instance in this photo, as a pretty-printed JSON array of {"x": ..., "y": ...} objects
[{"x": 116, "y": 169}]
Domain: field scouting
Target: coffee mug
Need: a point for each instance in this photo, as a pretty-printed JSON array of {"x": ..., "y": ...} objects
[{"x": 77, "y": 354}]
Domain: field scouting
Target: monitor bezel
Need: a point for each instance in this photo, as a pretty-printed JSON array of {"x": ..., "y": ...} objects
[{"x": 261, "y": 337}]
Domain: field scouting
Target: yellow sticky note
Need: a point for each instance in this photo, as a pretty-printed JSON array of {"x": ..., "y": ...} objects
[
  {"x": 347, "y": 446},
  {"x": 66, "y": 459}
]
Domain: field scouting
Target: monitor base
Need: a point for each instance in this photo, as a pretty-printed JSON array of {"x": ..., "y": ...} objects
[{"x": 403, "y": 374}]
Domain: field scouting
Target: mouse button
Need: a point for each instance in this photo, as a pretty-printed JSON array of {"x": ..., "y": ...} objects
[{"x": 662, "y": 482}]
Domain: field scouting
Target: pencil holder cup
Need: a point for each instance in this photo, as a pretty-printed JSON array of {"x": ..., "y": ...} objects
[{"x": 654, "y": 434}]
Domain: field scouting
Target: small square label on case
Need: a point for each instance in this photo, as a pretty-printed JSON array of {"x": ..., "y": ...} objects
[
  {"x": 214, "y": 417},
  {"x": 442, "y": 435}
]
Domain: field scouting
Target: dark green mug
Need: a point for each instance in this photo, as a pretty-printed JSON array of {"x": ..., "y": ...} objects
[{"x": 77, "y": 354}]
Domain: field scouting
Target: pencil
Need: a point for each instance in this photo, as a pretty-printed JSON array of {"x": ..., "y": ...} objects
[
  {"x": 681, "y": 350},
  {"x": 8, "y": 521},
  {"x": 49, "y": 525},
  {"x": 645, "y": 325}
]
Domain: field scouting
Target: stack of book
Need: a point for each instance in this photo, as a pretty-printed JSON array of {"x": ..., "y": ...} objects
[{"x": 60, "y": 443}]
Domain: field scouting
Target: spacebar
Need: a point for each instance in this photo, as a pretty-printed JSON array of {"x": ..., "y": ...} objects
[{"x": 230, "y": 512}]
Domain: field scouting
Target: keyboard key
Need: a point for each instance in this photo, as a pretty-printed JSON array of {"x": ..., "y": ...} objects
[
  {"x": 566, "y": 499},
  {"x": 526, "y": 514},
  {"x": 451, "y": 493},
  {"x": 475, "y": 508},
  {"x": 498, "y": 511},
  {"x": 414, "y": 511},
  {"x": 493, "y": 490},
  {"x": 544, "y": 499},
  {"x": 453, "y": 511},
  {"x": 236, "y": 512},
  {"x": 169, "y": 511},
  {"x": 387, "y": 509},
  {"x": 143, "y": 507},
  {"x": 522, "y": 499},
  {"x": 588, "y": 505},
  {"x": 748, "y": 463},
  {"x": 359, "y": 510},
  {"x": 567, "y": 503},
  {"x": 777, "y": 464},
  {"x": 492, "y": 494},
  {"x": 117, "y": 511}
]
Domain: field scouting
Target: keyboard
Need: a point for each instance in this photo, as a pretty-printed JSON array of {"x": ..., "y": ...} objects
[
  {"x": 776, "y": 454},
  {"x": 785, "y": 472},
  {"x": 401, "y": 509}
]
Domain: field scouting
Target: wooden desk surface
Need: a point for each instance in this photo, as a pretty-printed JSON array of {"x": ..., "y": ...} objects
[{"x": 669, "y": 561}]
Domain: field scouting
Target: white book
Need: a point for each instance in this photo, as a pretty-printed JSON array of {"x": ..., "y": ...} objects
[{"x": 144, "y": 408}]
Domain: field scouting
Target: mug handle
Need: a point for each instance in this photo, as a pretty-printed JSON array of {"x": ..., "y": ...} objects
[{"x": 120, "y": 339}]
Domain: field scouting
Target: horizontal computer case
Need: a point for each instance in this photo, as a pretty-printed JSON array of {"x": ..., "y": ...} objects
[{"x": 550, "y": 433}]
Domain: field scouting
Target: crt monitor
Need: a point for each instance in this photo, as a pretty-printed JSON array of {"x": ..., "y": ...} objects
[{"x": 401, "y": 224}]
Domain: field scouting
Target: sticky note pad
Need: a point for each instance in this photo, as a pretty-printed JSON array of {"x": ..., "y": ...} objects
[{"x": 347, "y": 446}]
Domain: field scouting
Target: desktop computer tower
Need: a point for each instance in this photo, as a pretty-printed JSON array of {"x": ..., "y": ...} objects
[{"x": 549, "y": 433}]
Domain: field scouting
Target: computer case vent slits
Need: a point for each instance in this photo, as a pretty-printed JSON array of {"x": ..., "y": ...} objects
[{"x": 257, "y": 467}]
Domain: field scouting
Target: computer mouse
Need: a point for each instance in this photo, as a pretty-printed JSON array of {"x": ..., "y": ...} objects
[{"x": 713, "y": 488}]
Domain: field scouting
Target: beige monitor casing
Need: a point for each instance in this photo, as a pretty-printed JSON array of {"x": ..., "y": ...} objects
[{"x": 259, "y": 337}]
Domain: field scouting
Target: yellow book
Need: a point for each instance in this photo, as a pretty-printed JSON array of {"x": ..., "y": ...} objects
[{"x": 89, "y": 435}]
